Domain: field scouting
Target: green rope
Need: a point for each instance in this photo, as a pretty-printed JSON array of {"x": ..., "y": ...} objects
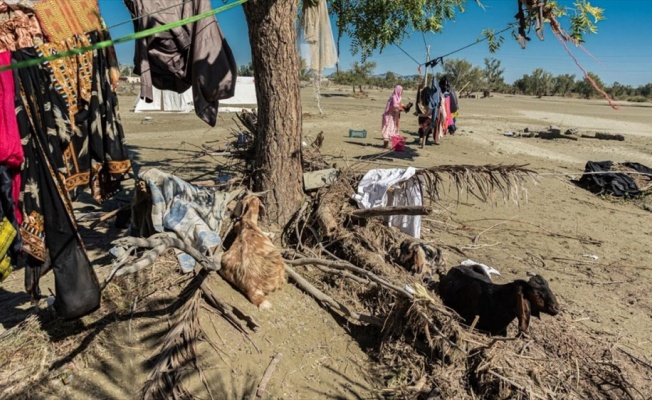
[{"x": 134, "y": 36}]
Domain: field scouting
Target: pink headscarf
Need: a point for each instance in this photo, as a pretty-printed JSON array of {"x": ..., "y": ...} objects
[{"x": 395, "y": 98}]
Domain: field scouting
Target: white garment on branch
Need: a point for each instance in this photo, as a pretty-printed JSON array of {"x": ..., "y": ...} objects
[{"x": 393, "y": 187}]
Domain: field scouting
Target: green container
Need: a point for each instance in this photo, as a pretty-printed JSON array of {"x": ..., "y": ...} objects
[{"x": 357, "y": 133}]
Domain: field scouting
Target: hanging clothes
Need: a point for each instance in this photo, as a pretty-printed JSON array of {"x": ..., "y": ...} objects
[
  {"x": 194, "y": 55},
  {"x": 317, "y": 33},
  {"x": 434, "y": 101},
  {"x": 19, "y": 27},
  {"x": 10, "y": 241},
  {"x": 62, "y": 19},
  {"x": 51, "y": 217},
  {"x": 11, "y": 150},
  {"x": 424, "y": 113},
  {"x": 67, "y": 119}
]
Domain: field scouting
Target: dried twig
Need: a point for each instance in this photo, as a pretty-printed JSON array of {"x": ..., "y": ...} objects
[
  {"x": 268, "y": 374},
  {"x": 177, "y": 349},
  {"x": 160, "y": 244},
  {"x": 516, "y": 385},
  {"x": 329, "y": 301},
  {"x": 234, "y": 316}
]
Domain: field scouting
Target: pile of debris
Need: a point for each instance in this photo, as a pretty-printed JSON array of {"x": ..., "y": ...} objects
[{"x": 554, "y": 132}]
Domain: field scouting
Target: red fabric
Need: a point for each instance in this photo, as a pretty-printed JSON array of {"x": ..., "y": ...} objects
[{"x": 11, "y": 150}]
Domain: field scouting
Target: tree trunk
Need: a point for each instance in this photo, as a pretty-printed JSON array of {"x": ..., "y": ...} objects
[{"x": 278, "y": 169}]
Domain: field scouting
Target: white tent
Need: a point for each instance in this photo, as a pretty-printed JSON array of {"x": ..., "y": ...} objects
[
  {"x": 244, "y": 97},
  {"x": 169, "y": 101},
  {"x": 166, "y": 101}
]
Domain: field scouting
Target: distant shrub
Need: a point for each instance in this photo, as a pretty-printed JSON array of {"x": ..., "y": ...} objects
[{"x": 638, "y": 99}]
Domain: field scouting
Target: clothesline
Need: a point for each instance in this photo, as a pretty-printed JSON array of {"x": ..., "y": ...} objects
[
  {"x": 432, "y": 62},
  {"x": 147, "y": 15},
  {"x": 127, "y": 38}
]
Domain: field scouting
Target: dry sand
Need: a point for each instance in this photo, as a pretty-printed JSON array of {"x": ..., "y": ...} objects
[{"x": 551, "y": 234}]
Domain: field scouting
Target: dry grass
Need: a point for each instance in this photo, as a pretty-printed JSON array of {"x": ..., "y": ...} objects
[
  {"x": 25, "y": 351},
  {"x": 41, "y": 347}
]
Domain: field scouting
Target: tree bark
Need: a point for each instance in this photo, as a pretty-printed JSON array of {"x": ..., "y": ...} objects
[{"x": 278, "y": 169}]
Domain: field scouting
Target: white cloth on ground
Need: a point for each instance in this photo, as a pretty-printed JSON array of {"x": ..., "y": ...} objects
[
  {"x": 487, "y": 269},
  {"x": 374, "y": 191}
]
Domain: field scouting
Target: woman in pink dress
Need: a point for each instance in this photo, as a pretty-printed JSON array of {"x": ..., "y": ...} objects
[{"x": 391, "y": 116}]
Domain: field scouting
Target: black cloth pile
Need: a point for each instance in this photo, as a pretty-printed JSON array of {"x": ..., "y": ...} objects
[{"x": 601, "y": 178}]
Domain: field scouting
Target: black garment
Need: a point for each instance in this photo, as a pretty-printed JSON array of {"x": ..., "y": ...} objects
[
  {"x": 194, "y": 55},
  {"x": 45, "y": 197},
  {"x": 423, "y": 98},
  {"x": 608, "y": 181},
  {"x": 425, "y": 128}
]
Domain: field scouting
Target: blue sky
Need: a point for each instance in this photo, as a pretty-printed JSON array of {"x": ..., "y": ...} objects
[{"x": 623, "y": 44}]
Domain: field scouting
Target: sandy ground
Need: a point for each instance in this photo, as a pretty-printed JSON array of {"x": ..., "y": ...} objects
[{"x": 552, "y": 234}]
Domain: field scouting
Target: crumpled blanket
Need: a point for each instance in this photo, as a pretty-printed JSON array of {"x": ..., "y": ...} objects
[
  {"x": 392, "y": 187},
  {"x": 194, "y": 213}
]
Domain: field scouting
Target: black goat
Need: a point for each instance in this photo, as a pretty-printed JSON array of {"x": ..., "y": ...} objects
[{"x": 468, "y": 291}]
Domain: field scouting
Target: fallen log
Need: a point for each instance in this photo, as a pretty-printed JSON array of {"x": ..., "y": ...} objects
[
  {"x": 605, "y": 136},
  {"x": 387, "y": 211},
  {"x": 555, "y": 135}
]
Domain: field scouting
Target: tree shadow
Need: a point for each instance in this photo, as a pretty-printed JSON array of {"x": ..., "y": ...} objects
[
  {"x": 408, "y": 154},
  {"x": 335, "y": 95},
  {"x": 15, "y": 307}
]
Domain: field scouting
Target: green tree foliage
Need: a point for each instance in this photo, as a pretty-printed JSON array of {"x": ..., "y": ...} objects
[
  {"x": 463, "y": 76},
  {"x": 375, "y": 24},
  {"x": 246, "y": 70},
  {"x": 360, "y": 73},
  {"x": 542, "y": 82},
  {"x": 305, "y": 74},
  {"x": 645, "y": 91},
  {"x": 493, "y": 74},
  {"x": 126, "y": 70},
  {"x": 585, "y": 89},
  {"x": 562, "y": 85}
]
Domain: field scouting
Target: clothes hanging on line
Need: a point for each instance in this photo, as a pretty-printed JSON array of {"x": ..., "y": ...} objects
[
  {"x": 66, "y": 113},
  {"x": 62, "y": 19},
  {"x": 194, "y": 55},
  {"x": 19, "y": 27},
  {"x": 11, "y": 150},
  {"x": 10, "y": 242}
]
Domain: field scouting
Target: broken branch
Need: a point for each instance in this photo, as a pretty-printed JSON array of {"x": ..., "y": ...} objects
[
  {"x": 268, "y": 374},
  {"x": 227, "y": 311},
  {"x": 388, "y": 211},
  {"x": 329, "y": 301}
]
